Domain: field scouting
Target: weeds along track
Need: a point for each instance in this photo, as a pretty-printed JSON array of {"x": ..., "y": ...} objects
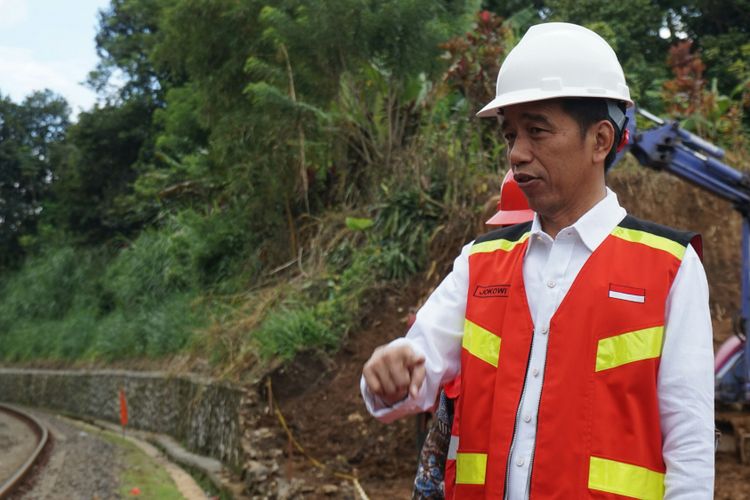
[{"x": 9, "y": 484}]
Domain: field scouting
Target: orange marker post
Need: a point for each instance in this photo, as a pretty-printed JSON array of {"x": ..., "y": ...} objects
[{"x": 123, "y": 410}]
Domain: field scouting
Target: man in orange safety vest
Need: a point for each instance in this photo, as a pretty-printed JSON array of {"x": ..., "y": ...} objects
[{"x": 583, "y": 337}]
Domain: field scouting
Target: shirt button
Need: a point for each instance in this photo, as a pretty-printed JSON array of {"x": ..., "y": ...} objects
[
  {"x": 535, "y": 372},
  {"x": 527, "y": 418},
  {"x": 551, "y": 284},
  {"x": 544, "y": 330},
  {"x": 520, "y": 461}
]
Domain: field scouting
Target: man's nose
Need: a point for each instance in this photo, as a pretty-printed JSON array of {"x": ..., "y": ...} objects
[{"x": 519, "y": 153}]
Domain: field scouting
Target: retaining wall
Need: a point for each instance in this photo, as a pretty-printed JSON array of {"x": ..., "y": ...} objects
[{"x": 202, "y": 414}]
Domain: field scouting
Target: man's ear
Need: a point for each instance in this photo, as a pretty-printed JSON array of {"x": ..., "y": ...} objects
[{"x": 604, "y": 138}]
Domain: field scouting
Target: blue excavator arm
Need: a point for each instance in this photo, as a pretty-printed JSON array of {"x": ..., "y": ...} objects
[{"x": 670, "y": 148}]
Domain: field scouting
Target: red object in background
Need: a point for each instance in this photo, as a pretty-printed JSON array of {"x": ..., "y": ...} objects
[
  {"x": 123, "y": 409},
  {"x": 512, "y": 208}
]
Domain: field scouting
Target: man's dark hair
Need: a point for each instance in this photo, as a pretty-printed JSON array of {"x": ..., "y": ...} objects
[{"x": 587, "y": 111}]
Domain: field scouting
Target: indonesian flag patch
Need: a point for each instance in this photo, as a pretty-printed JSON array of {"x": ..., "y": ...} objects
[{"x": 628, "y": 293}]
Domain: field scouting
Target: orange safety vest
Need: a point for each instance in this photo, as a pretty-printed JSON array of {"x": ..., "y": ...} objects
[{"x": 598, "y": 433}]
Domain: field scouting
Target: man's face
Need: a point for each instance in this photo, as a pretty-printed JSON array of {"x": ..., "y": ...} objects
[{"x": 551, "y": 161}]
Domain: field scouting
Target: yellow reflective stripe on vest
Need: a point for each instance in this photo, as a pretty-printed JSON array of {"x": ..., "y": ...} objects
[
  {"x": 471, "y": 468},
  {"x": 629, "y": 347},
  {"x": 651, "y": 240},
  {"x": 481, "y": 343},
  {"x": 491, "y": 246},
  {"x": 625, "y": 479}
]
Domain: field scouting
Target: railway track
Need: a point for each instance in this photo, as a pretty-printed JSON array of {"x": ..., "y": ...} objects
[{"x": 19, "y": 426}]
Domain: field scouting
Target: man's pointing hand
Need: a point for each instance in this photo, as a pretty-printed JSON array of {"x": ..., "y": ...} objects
[{"x": 393, "y": 372}]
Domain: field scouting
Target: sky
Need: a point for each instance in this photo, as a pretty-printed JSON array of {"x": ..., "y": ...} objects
[{"x": 48, "y": 44}]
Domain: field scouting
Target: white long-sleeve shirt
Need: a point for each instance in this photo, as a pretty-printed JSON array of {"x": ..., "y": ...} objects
[{"x": 685, "y": 380}]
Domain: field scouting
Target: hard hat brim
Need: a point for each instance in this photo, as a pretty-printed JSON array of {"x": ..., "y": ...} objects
[
  {"x": 510, "y": 217},
  {"x": 520, "y": 97}
]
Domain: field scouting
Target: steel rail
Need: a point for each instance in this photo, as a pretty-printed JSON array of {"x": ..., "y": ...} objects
[{"x": 42, "y": 434}]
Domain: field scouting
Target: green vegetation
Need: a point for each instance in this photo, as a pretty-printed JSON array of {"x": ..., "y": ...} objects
[
  {"x": 142, "y": 472},
  {"x": 263, "y": 175}
]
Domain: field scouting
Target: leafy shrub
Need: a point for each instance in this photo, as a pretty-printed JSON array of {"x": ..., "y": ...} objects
[
  {"x": 287, "y": 331},
  {"x": 72, "y": 304},
  {"x": 163, "y": 328},
  {"x": 190, "y": 251},
  {"x": 403, "y": 225},
  {"x": 48, "y": 285}
]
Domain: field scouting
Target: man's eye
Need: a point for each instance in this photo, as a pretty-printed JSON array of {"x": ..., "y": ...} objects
[{"x": 536, "y": 130}]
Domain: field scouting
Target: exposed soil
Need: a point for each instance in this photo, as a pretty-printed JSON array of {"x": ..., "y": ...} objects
[
  {"x": 330, "y": 421},
  {"x": 320, "y": 397},
  {"x": 732, "y": 478}
]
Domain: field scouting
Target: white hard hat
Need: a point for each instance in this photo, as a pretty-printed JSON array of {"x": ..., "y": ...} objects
[{"x": 558, "y": 60}]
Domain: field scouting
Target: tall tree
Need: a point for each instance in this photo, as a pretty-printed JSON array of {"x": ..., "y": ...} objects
[
  {"x": 128, "y": 31},
  {"x": 722, "y": 30},
  {"x": 30, "y": 135},
  {"x": 92, "y": 184},
  {"x": 268, "y": 79}
]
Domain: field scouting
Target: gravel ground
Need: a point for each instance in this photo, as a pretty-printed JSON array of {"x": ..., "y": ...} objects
[{"x": 79, "y": 465}]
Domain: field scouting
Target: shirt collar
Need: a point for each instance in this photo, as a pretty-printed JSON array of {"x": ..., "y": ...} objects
[{"x": 593, "y": 226}]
